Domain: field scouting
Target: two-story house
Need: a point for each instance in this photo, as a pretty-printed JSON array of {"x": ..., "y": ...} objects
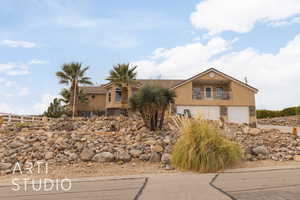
[{"x": 212, "y": 94}]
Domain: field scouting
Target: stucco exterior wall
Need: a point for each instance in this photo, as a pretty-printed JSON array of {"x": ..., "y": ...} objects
[
  {"x": 93, "y": 104},
  {"x": 240, "y": 95}
]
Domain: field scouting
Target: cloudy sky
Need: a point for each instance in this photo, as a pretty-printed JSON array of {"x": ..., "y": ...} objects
[{"x": 257, "y": 39}]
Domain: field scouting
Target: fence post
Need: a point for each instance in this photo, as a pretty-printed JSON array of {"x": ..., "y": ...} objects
[
  {"x": 22, "y": 119},
  {"x": 32, "y": 118}
]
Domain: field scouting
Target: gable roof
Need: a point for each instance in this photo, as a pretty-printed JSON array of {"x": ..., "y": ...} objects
[
  {"x": 217, "y": 72},
  {"x": 93, "y": 89}
]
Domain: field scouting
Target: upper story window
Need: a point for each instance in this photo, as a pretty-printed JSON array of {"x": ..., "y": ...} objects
[
  {"x": 208, "y": 92},
  {"x": 109, "y": 96},
  {"x": 196, "y": 93},
  {"x": 118, "y": 95},
  {"x": 219, "y": 92}
]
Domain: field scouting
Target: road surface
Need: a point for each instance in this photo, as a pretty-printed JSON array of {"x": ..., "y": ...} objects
[{"x": 253, "y": 184}]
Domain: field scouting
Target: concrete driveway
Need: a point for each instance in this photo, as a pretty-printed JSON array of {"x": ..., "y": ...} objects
[{"x": 253, "y": 184}]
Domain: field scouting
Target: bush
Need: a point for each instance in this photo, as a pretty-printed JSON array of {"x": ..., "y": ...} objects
[
  {"x": 201, "y": 148},
  {"x": 278, "y": 113}
]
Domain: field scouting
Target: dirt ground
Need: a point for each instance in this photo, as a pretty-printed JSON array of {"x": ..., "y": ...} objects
[{"x": 113, "y": 169}]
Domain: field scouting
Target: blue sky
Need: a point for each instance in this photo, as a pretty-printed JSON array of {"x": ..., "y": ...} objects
[{"x": 168, "y": 39}]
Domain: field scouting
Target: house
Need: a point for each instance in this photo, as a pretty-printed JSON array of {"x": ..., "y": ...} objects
[{"x": 211, "y": 93}]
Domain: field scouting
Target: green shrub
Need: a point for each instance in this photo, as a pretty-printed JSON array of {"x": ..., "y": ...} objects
[
  {"x": 201, "y": 148},
  {"x": 278, "y": 113}
]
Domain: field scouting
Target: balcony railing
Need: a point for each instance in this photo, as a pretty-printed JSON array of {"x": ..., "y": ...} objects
[{"x": 212, "y": 95}]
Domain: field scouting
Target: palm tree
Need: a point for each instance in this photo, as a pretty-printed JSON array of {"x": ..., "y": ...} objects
[
  {"x": 66, "y": 96},
  {"x": 73, "y": 74},
  {"x": 152, "y": 102},
  {"x": 123, "y": 76}
]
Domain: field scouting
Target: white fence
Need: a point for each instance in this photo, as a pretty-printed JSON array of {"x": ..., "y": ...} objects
[{"x": 12, "y": 118}]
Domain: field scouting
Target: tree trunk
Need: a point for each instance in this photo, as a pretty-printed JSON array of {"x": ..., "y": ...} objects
[{"x": 162, "y": 118}]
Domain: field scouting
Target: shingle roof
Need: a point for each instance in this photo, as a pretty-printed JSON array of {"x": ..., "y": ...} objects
[{"x": 93, "y": 89}]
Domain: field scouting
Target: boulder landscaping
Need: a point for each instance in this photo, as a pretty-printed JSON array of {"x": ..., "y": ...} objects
[{"x": 123, "y": 139}]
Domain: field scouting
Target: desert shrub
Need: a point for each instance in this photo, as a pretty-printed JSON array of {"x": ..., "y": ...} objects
[
  {"x": 201, "y": 148},
  {"x": 278, "y": 113}
]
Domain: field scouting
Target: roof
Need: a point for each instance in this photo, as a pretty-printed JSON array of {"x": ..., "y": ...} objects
[
  {"x": 160, "y": 82},
  {"x": 93, "y": 89},
  {"x": 217, "y": 72},
  {"x": 164, "y": 83}
]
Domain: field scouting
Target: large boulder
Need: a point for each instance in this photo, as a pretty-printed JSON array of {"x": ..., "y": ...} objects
[
  {"x": 104, "y": 157},
  {"x": 155, "y": 157},
  {"x": 124, "y": 156},
  {"x": 260, "y": 150},
  {"x": 87, "y": 154}
]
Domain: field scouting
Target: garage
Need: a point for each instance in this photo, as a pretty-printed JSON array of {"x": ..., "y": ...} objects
[
  {"x": 238, "y": 114},
  {"x": 207, "y": 112}
]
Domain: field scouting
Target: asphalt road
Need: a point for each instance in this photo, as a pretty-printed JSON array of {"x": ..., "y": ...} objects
[
  {"x": 271, "y": 184},
  {"x": 260, "y": 185}
]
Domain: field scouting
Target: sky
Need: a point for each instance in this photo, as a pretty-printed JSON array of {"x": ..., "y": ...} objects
[{"x": 172, "y": 39}]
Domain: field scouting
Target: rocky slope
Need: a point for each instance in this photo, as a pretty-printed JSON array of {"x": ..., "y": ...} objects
[
  {"x": 282, "y": 121},
  {"x": 121, "y": 139}
]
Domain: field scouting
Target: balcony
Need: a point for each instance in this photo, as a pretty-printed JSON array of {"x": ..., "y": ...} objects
[{"x": 214, "y": 95}]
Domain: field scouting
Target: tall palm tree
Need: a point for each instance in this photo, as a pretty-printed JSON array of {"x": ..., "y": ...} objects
[
  {"x": 73, "y": 74},
  {"x": 123, "y": 76}
]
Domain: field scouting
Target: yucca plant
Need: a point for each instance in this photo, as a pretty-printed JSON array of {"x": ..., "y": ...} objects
[{"x": 201, "y": 148}]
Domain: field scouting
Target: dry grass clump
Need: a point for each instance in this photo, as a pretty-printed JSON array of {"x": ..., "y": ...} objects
[{"x": 201, "y": 148}]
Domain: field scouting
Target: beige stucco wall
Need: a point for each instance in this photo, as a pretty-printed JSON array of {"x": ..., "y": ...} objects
[
  {"x": 240, "y": 95},
  {"x": 93, "y": 104}
]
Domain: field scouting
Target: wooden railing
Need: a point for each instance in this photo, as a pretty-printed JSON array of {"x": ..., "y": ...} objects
[{"x": 12, "y": 118}]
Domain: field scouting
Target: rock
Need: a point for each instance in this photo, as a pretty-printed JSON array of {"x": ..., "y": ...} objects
[
  {"x": 254, "y": 131},
  {"x": 297, "y": 158},
  {"x": 144, "y": 157},
  {"x": 157, "y": 148},
  {"x": 104, "y": 157},
  {"x": 166, "y": 158},
  {"x": 260, "y": 150},
  {"x": 87, "y": 154},
  {"x": 135, "y": 153},
  {"x": 124, "y": 156},
  {"x": 49, "y": 155},
  {"x": 15, "y": 144},
  {"x": 155, "y": 157},
  {"x": 5, "y": 166}
]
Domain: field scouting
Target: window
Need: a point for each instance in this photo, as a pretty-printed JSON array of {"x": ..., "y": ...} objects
[
  {"x": 219, "y": 92},
  {"x": 109, "y": 97},
  {"x": 196, "y": 93},
  {"x": 93, "y": 96},
  {"x": 208, "y": 92},
  {"x": 118, "y": 95}
]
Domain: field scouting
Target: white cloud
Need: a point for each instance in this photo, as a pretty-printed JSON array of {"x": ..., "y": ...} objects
[
  {"x": 170, "y": 62},
  {"x": 18, "y": 43},
  {"x": 241, "y": 15},
  {"x": 36, "y": 61},
  {"x": 275, "y": 75}
]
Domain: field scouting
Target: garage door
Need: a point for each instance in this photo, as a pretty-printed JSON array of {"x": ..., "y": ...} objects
[
  {"x": 238, "y": 114},
  {"x": 207, "y": 112}
]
